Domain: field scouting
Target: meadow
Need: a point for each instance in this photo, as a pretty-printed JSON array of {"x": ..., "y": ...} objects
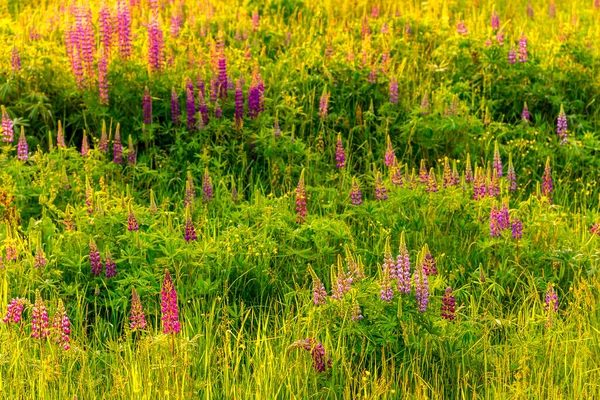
[{"x": 299, "y": 199}]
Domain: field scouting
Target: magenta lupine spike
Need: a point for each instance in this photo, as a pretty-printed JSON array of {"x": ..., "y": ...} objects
[
  {"x": 396, "y": 174},
  {"x": 207, "y": 187},
  {"x": 503, "y": 217},
  {"x": 448, "y": 305},
  {"x": 517, "y": 228},
  {"x": 255, "y": 94},
  {"x": 550, "y": 305},
  {"x": 421, "y": 289},
  {"x": 137, "y": 318},
  {"x": 595, "y": 229},
  {"x": 301, "y": 206},
  {"x": 95, "y": 260},
  {"x": 365, "y": 27},
  {"x": 132, "y": 224},
  {"x": 372, "y": 76},
  {"x": 403, "y": 267},
  {"x": 319, "y": 294},
  {"x": 155, "y": 45},
  {"x": 169, "y": 307},
  {"x": 561, "y": 126},
  {"x": 39, "y": 258},
  {"x": 497, "y": 164},
  {"x": 522, "y": 49},
  {"x": 390, "y": 156},
  {"x": 495, "y": 230},
  {"x": 15, "y": 60},
  {"x": 341, "y": 285},
  {"x": 429, "y": 266},
  {"x": 324, "y": 105},
  {"x": 190, "y": 103},
  {"x": 461, "y": 28},
  {"x": 202, "y": 108},
  {"x": 374, "y": 12},
  {"x": 175, "y": 109},
  {"x": 340, "y": 155},
  {"x": 117, "y": 146},
  {"x": 85, "y": 147},
  {"x": 61, "y": 327},
  {"x": 512, "y": 55},
  {"x": 105, "y": 28},
  {"x": 102, "y": 80},
  {"x": 431, "y": 182},
  {"x": 22, "y": 148},
  {"x": 8, "y": 135},
  {"x": 147, "y": 107},
  {"x": 500, "y": 38},
  {"x": 425, "y": 104},
  {"x": 380, "y": 190},
  {"x": 60, "y": 136},
  {"x": 124, "y": 29},
  {"x": 176, "y": 21},
  {"x": 385, "y": 58},
  {"x": 547, "y": 185},
  {"x": 239, "y": 104},
  {"x": 190, "y": 230},
  {"x": 495, "y": 21},
  {"x": 14, "y": 312},
  {"x": 355, "y": 194},
  {"x": 131, "y": 155},
  {"x": 223, "y": 82},
  {"x": 111, "y": 266},
  {"x": 218, "y": 111},
  {"x": 529, "y": 10},
  {"x": 39, "y": 318},
  {"x": 511, "y": 176},
  {"x": 320, "y": 361},
  {"x": 423, "y": 175},
  {"x": 525, "y": 115},
  {"x": 388, "y": 261},
  {"x": 214, "y": 89}
]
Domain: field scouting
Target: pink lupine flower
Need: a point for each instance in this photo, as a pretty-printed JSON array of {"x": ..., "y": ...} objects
[
  {"x": 301, "y": 200},
  {"x": 14, "y": 311},
  {"x": 169, "y": 307},
  {"x": 137, "y": 317},
  {"x": 39, "y": 318},
  {"x": 61, "y": 327}
]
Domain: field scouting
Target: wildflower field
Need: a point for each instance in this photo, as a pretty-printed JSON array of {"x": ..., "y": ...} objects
[{"x": 277, "y": 199}]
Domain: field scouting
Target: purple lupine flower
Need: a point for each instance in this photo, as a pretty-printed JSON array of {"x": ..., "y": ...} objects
[
  {"x": 190, "y": 104},
  {"x": 355, "y": 194},
  {"x": 551, "y": 300},
  {"x": 447, "y": 176},
  {"x": 324, "y": 105},
  {"x": 511, "y": 176},
  {"x": 386, "y": 293},
  {"x": 495, "y": 20},
  {"x": 105, "y": 28},
  {"x": 512, "y": 55},
  {"x": 461, "y": 28},
  {"x": 39, "y": 318},
  {"x": 500, "y": 38},
  {"x": 131, "y": 155},
  {"x": 380, "y": 190},
  {"x": 190, "y": 190},
  {"x": 255, "y": 20},
  {"x": 372, "y": 79},
  {"x": 319, "y": 295},
  {"x": 223, "y": 83},
  {"x": 132, "y": 224},
  {"x": 175, "y": 109},
  {"x": 495, "y": 230},
  {"x": 95, "y": 260},
  {"x": 479, "y": 189},
  {"x": 425, "y": 104},
  {"x": 340, "y": 156},
  {"x": 342, "y": 284},
  {"x": 85, "y": 147},
  {"x": 403, "y": 267},
  {"x": 503, "y": 217},
  {"x": 497, "y": 164},
  {"x": 561, "y": 126},
  {"x": 190, "y": 230},
  {"x": 529, "y": 10},
  {"x": 429, "y": 266},
  {"x": 356, "y": 312},
  {"x": 202, "y": 109},
  {"x": 22, "y": 148},
  {"x": 214, "y": 89},
  {"x": 525, "y": 115},
  {"x": 448, "y": 305},
  {"x": 147, "y": 107},
  {"x": 320, "y": 361},
  {"x": 517, "y": 228},
  {"x": 431, "y": 182},
  {"x": 423, "y": 176},
  {"x": 239, "y": 104},
  {"x": 169, "y": 307},
  {"x": 14, "y": 311},
  {"x": 390, "y": 156},
  {"x": 385, "y": 58},
  {"x": 111, "y": 266},
  {"x": 547, "y": 186},
  {"x": 396, "y": 174},
  {"x": 155, "y": 45},
  {"x": 61, "y": 326},
  {"x": 7, "y": 127},
  {"x": 60, "y": 137},
  {"x": 117, "y": 146},
  {"x": 11, "y": 251},
  {"x": 137, "y": 318},
  {"x": 218, "y": 111},
  {"x": 39, "y": 260},
  {"x": 421, "y": 289},
  {"x": 15, "y": 60},
  {"x": 176, "y": 22},
  {"x": 301, "y": 209},
  {"x": 207, "y": 187},
  {"x": 523, "y": 49}
]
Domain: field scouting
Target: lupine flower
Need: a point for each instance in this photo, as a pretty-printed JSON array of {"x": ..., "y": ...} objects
[
  {"x": 386, "y": 293},
  {"x": 218, "y": 111},
  {"x": 324, "y": 105},
  {"x": 525, "y": 115},
  {"x": 190, "y": 190},
  {"x": 117, "y": 146},
  {"x": 355, "y": 194},
  {"x": 552, "y": 9},
  {"x": 431, "y": 182},
  {"x": 500, "y": 38},
  {"x": 169, "y": 307},
  {"x": 340, "y": 156},
  {"x": 239, "y": 104},
  {"x": 147, "y": 107},
  {"x": 365, "y": 27},
  {"x": 372, "y": 77},
  {"x": 14, "y": 311},
  {"x": 493, "y": 183},
  {"x": 124, "y": 29},
  {"x": 503, "y": 217},
  {"x": 396, "y": 174},
  {"x": 207, "y": 187},
  {"x": 403, "y": 267},
  {"x": 61, "y": 327},
  {"x": 175, "y": 110},
  {"x": 202, "y": 109},
  {"x": 137, "y": 318},
  {"x": 380, "y": 190},
  {"x": 320, "y": 361},
  {"x": 523, "y": 49},
  {"x": 421, "y": 289},
  {"x": 111, "y": 266},
  {"x": 447, "y": 176},
  {"x": 356, "y": 312},
  {"x": 255, "y": 20},
  {"x": 547, "y": 186},
  {"x": 550, "y": 305},
  {"x": 22, "y": 148},
  {"x": 468, "y": 170},
  {"x": 95, "y": 260},
  {"x": 255, "y": 94},
  {"x": 561, "y": 126},
  {"x": 517, "y": 228},
  {"x": 495, "y": 20},
  {"x": 355, "y": 268},
  {"x": 85, "y": 147},
  {"x": 301, "y": 200},
  {"x": 388, "y": 261},
  {"x": 60, "y": 137},
  {"x": 319, "y": 294},
  {"x": 342, "y": 283},
  {"x": 423, "y": 175},
  {"x": 131, "y": 155},
  {"x": 385, "y": 29},
  {"x": 132, "y": 224},
  {"x": 389, "y": 153},
  {"x": 394, "y": 91},
  {"x": 461, "y": 28},
  {"x": 497, "y": 161},
  {"x": 595, "y": 229},
  {"x": 89, "y": 196},
  {"x": 103, "y": 144},
  {"x": 7, "y": 127},
  {"x": 276, "y": 129},
  {"x": 39, "y": 318},
  {"x": 512, "y": 55},
  {"x": 511, "y": 176},
  {"x": 102, "y": 80},
  {"x": 190, "y": 230},
  {"x": 105, "y": 28},
  {"x": 429, "y": 267},
  {"x": 39, "y": 258},
  {"x": 529, "y": 10},
  {"x": 11, "y": 250},
  {"x": 448, "y": 305},
  {"x": 155, "y": 45},
  {"x": 495, "y": 230},
  {"x": 15, "y": 60},
  {"x": 425, "y": 104}
]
